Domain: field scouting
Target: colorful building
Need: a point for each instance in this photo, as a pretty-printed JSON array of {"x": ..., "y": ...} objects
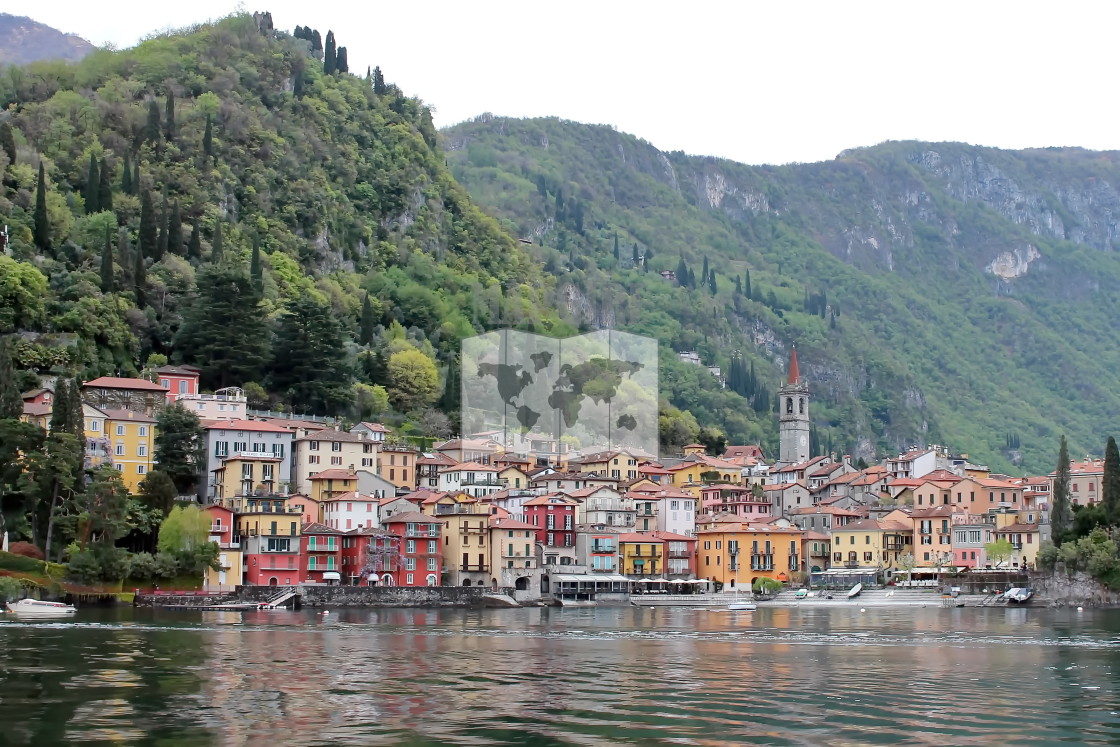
[
  {"x": 223, "y": 534},
  {"x": 321, "y": 554},
  {"x": 229, "y": 438},
  {"x": 246, "y": 473},
  {"x": 330, "y": 449},
  {"x": 348, "y": 511},
  {"x": 680, "y": 555},
  {"x": 641, "y": 555},
  {"x": 132, "y": 436},
  {"x": 553, "y": 516},
  {"x": 597, "y": 548},
  {"x": 737, "y": 554},
  {"x": 332, "y": 483},
  {"x": 370, "y": 557},
  {"x": 117, "y": 393},
  {"x": 873, "y": 543},
  {"x": 269, "y": 528},
  {"x": 420, "y": 556},
  {"x": 179, "y": 381}
]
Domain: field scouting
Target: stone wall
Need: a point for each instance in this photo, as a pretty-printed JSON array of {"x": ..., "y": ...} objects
[
  {"x": 316, "y": 595},
  {"x": 1059, "y": 589},
  {"x": 183, "y": 600}
]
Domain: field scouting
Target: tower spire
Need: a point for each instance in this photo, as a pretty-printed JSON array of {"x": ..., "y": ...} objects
[{"x": 794, "y": 373}]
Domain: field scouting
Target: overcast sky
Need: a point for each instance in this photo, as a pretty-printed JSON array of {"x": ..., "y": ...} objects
[{"x": 755, "y": 82}]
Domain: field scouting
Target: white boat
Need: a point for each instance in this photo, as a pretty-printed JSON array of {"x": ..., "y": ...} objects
[
  {"x": 741, "y": 606},
  {"x": 35, "y": 608},
  {"x": 855, "y": 590},
  {"x": 1018, "y": 595}
]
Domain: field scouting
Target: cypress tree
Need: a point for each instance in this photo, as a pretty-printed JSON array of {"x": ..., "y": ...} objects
[
  {"x": 682, "y": 273},
  {"x": 216, "y": 244},
  {"x": 341, "y": 63},
  {"x": 379, "y": 86},
  {"x": 161, "y": 238},
  {"x": 126, "y": 175},
  {"x": 149, "y": 246},
  {"x": 107, "y": 263},
  {"x": 704, "y": 272},
  {"x": 93, "y": 182},
  {"x": 1110, "y": 484},
  {"x": 316, "y": 45},
  {"x": 738, "y": 286},
  {"x": 124, "y": 254},
  {"x": 140, "y": 279},
  {"x": 208, "y": 138},
  {"x": 712, "y": 282},
  {"x": 256, "y": 271},
  {"x": 8, "y": 143},
  {"x": 175, "y": 231},
  {"x": 105, "y": 187},
  {"x": 616, "y": 247},
  {"x": 329, "y": 53},
  {"x": 60, "y": 408},
  {"x": 194, "y": 246},
  {"x": 152, "y": 129},
  {"x": 636, "y": 260},
  {"x": 169, "y": 116},
  {"x": 41, "y": 234},
  {"x": 11, "y": 403},
  {"x": 136, "y": 177},
  {"x": 747, "y": 284},
  {"x": 1060, "y": 514},
  {"x": 297, "y": 80},
  {"x": 365, "y": 334}
]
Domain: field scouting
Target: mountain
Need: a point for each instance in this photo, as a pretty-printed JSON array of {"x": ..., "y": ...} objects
[
  {"x": 236, "y": 199},
  {"x": 937, "y": 292},
  {"x": 23, "y": 40}
]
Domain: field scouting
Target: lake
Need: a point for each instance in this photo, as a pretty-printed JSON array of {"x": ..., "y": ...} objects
[{"x": 547, "y": 676}]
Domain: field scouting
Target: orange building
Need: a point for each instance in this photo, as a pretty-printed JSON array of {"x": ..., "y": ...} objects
[{"x": 736, "y": 554}]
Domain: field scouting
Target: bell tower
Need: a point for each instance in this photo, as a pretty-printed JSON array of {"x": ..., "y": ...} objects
[{"x": 793, "y": 416}]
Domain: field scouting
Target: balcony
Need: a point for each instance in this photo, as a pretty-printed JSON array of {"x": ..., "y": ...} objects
[
  {"x": 433, "y": 533},
  {"x": 602, "y": 549},
  {"x": 762, "y": 562},
  {"x": 319, "y": 547},
  {"x": 218, "y": 528},
  {"x": 1016, "y": 545},
  {"x": 687, "y": 554},
  {"x": 602, "y": 570},
  {"x": 794, "y": 562},
  {"x": 851, "y": 564},
  {"x": 468, "y": 567},
  {"x": 894, "y": 545},
  {"x": 482, "y": 482},
  {"x": 320, "y": 568}
]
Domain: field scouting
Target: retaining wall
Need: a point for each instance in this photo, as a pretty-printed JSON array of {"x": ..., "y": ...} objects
[
  {"x": 1059, "y": 589},
  {"x": 315, "y": 595}
]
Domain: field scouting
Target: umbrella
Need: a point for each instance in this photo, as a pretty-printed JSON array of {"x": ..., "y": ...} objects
[{"x": 4, "y": 543}]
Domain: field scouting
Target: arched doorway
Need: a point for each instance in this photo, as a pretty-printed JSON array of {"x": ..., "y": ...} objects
[
  {"x": 466, "y": 582},
  {"x": 493, "y": 584},
  {"x": 387, "y": 580},
  {"x": 431, "y": 579},
  {"x": 544, "y": 584},
  {"x": 521, "y": 584},
  {"x": 272, "y": 581}
]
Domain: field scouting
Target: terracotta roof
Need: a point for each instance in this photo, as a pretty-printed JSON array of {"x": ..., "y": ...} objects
[
  {"x": 585, "y": 492},
  {"x": 353, "y": 496},
  {"x": 244, "y": 425},
  {"x": 904, "y": 482},
  {"x": 830, "y": 510},
  {"x": 794, "y": 371},
  {"x": 801, "y": 465},
  {"x": 827, "y": 469},
  {"x": 436, "y": 458},
  {"x": 180, "y": 370},
  {"x": 503, "y": 523},
  {"x": 317, "y": 528},
  {"x": 376, "y": 427},
  {"x": 818, "y": 536},
  {"x": 551, "y": 498},
  {"x": 750, "y": 450},
  {"x": 411, "y": 517},
  {"x": 333, "y": 434},
  {"x": 653, "y": 469},
  {"x": 35, "y": 409},
  {"x": 1018, "y": 528},
  {"x": 334, "y": 474},
  {"x": 637, "y": 537},
  {"x": 672, "y": 536},
  {"x": 942, "y": 510},
  {"x": 117, "y": 382},
  {"x": 136, "y": 417},
  {"x": 390, "y": 498}
]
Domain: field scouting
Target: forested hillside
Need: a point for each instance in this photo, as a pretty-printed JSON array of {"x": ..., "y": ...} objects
[
  {"x": 233, "y": 197},
  {"x": 938, "y": 293}
]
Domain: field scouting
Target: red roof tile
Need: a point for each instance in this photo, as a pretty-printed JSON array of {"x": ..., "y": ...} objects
[{"x": 117, "y": 382}]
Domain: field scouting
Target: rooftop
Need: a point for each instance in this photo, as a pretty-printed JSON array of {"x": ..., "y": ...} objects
[{"x": 117, "y": 382}]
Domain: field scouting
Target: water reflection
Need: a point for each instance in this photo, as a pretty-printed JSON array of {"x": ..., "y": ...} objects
[{"x": 545, "y": 676}]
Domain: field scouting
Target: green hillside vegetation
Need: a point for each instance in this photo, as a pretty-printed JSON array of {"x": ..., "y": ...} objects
[{"x": 874, "y": 264}]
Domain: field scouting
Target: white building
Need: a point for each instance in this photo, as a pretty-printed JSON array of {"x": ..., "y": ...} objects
[
  {"x": 604, "y": 506},
  {"x": 224, "y": 403},
  {"x": 913, "y": 464},
  {"x": 472, "y": 478},
  {"x": 373, "y": 431},
  {"x": 351, "y": 511},
  {"x": 229, "y": 438},
  {"x": 330, "y": 449}
]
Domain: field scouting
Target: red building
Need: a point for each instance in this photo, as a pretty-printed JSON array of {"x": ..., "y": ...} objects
[
  {"x": 321, "y": 554},
  {"x": 554, "y": 518},
  {"x": 178, "y": 380},
  {"x": 370, "y": 557},
  {"x": 421, "y": 561},
  {"x": 680, "y": 554}
]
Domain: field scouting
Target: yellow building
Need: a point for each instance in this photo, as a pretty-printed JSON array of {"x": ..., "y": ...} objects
[
  {"x": 266, "y": 516},
  {"x": 736, "y": 554},
  {"x": 698, "y": 470},
  {"x": 871, "y": 543},
  {"x": 466, "y": 554},
  {"x": 514, "y": 477},
  {"x": 331, "y": 483},
  {"x": 397, "y": 464},
  {"x": 132, "y": 437},
  {"x": 641, "y": 555},
  {"x": 1024, "y": 539},
  {"x": 246, "y": 473},
  {"x": 617, "y": 464}
]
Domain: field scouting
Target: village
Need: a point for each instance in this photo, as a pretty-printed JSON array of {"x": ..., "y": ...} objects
[{"x": 297, "y": 501}]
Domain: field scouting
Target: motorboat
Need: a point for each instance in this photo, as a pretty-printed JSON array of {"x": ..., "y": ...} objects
[
  {"x": 36, "y": 608},
  {"x": 741, "y": 606},
  {"x": 854, "y": 591},
  {"x": 1018, "y": 595}
]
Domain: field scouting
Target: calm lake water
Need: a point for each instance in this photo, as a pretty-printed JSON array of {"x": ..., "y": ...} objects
[{"x": 553, "y": 676}]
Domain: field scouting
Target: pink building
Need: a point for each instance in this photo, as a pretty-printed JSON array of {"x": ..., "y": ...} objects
[{"x": 178, "y": 380}]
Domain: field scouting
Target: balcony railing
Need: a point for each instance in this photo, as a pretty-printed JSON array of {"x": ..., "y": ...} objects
[
  {"x": 894, "y": 545},
  {"x": 686, "y": 553},
  {"x": 602, "y": 548},
  {"x": 851, "y": 564},
  {"x": 483, "y": 482},
  {"x": 320, "y": 547},
  {"x": 218, "y": 528},
  {"x": 602, "y": 570},
  {"x": 794, "y": 562},
  {"x": 315, "y": 567},
  {"x": 474, "y": 567}
]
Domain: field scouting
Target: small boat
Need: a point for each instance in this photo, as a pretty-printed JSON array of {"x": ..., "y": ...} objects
[
  {"x": 1018, "y": 596},
  {"x": 855, "y": 590},
  {"x": 741, "y": 606},
  {"x": 35, "y": 608}
]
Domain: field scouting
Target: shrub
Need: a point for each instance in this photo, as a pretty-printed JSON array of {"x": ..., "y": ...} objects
[
  {"x": 142, "y": 567},
  {"x": 84, "y": 568},
  {"x": 12, "y": 562},
  {"x": 10, "y": 589},
  {"x": 26, "y": 549}
]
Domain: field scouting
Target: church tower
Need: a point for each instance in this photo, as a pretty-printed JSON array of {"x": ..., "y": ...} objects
[{"x": 793, "y": 416}]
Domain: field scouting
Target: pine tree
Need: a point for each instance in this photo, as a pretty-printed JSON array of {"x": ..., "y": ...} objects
[
  {"x": 256, "y": 271},
  {"x": 341, "y": 63},
  {"x": 169, "y": 116},
  {"x": 316, "y": 45},
  {"x": 41, "y": 233},
  {"x": 140, "y": 279},
  {"x": 149, "y": 239},
  {"x": 747, "y": 284},
  {"x": 175, "y": 231},
  {"x": 329, "y": 53},
  {"x": 8, "y": 142},
  {"x": 712, "y": 282},
  {"x": 194, "y": 246},
  {"x": 704, "y": 272},
  {"x": 216, "y": 244},
  {"x": 616, "y": 247},
  {"x": 93, "y": 182},
  {"x": 107, "y": 263},
  {"x": 451, "y": 399},
  {"x": 161, "y": 237},
  {"x": 105, "y": 187},
  {"x": 11, "y": 403},
  {"x": 60, "y": 407},
  {"x": 1061, "y": 517},
  {"x": 208, "y": 138},
  {"x": 153, "y": 127},
  {"x": 126, "y": 175},
  {"x": 307, "y": 356},
  {"x": 1110, "y": 484},
  {"x": 124, "y": 254},
  {"x": 136, "y": 177},
  {"x": 365, "y": 332},
  {"x": 379, "y": 86}
]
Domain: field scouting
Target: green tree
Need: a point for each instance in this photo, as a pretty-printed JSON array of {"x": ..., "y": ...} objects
[
  {"x": 704, "y": 272},
  {"x": 149, "y": 237},
  {"x": 124, "y": 254},
  {"x": 105, "y": 186},
  {"x": 10, "y": 588},
  {"x": 136, "y": 177},
  {"x": 1110, "y": 484},
  {"x": 370, "y": 402},
  {"x": 747, "y": 284},
  {"x": 169, "y": 116},
  {"x": 194, "y": 246},
  {"x": 11, "y": 402},
  {"x": 208, "y": 138},
  {"x": 451, "y": 399},
  {"x": 41, "y": 234},
  {"x": 224, "y": 330},
  {"x": 153, "y": 127},
  {"x": 126, "y": 175},
  {"x": 216, "y": 244},
  {"x": 175, "y": 231},
  {"x": 161, "y": 237},
  {"x": 179, "y": 447},
  {"x": 616, "y": 247},
  {"x": 341, "y": 63},
  {"x": 158, "y": 492},
  {"x": 308, "y": 357},
  {"x": 712, "y": 282},
  {"x": 999, "y": 551},
  {"x": 365, "y": 332},
  {"x": 8, "y": 142},
  {"x": 256, "y": 271},
  {"x": 379, "y": 87},
  {"x": 1060, "y": 516},
  {"x": 413, "y": 380},
  {"x": 329, "y": 54},
  {"x": 140, "y": 279},
  {"x": 93, "y": 182}
]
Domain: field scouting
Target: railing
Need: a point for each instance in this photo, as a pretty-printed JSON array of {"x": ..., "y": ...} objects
[
  {"x": 851, "y": 564},
  {"x": 602, "y": 570},
  {"x": 473, "y": 530},
  {"x": 251, "y": 454},
  {"x": 432, "y": 533},
  {"x": 894, "y": 546},
  {"x": 317, "y": 547},
  {"x": 316, "y": 567},
  {"x": 218, "y": 528},
  {"x": 687, "y": 554},
  {"x": 474, "y": 567},
  {"x": 483, "y": 482},
  {"x": 602, "y": 548}
]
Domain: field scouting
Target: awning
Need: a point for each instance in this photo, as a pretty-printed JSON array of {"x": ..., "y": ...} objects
[
  {"x": 331, "y": 576},
  {"x": 611, "y": 577}
]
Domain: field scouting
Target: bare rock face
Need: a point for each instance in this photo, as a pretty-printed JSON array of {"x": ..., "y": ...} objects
[
  {"x": 1013, "y": 264},
  {"x": 23, "y": 40}
]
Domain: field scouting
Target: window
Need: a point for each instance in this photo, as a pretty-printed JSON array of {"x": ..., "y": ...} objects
[
  {"x": 313, "y": 445},
  {"x": 141, "y": 469},
  {"x": 336, "y": 460},
  {"x": 408, "y": 578},
  {"x": 313, "y": 459},
  {"x": 336, "y": 446},
  {"x": 410, "y": 546},
  {"x": 278, "y": 450},
  {"x": 182, "y": 387},
  {"x": 120, "y": 467},
  {"x": 120, "y": 430},
  {"x": 95, "y": 425},
  {"x": 141, "y": 450},
  {"x": 367, "y": 462},
  {"x": 120, "y": 450},
  {"x": 143, "y": 430},
  {"x": 410, "y": 564},
  {"x": 392, "y": 475},
  {"x": 165, "y": 383},
  {"x": 433, "y": 547},
  {"x": 432, "y": 564}
]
